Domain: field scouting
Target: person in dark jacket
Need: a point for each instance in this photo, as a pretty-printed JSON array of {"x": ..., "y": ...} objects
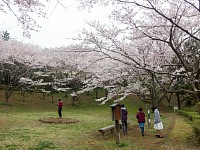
[
  {"x": 59, "y": 104},
  {"x": 124, "y": 114},
  {"x": 141, "y": 120}
]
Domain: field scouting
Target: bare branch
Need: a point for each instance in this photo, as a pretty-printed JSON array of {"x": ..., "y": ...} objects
[{"x": 193, "y": 5}]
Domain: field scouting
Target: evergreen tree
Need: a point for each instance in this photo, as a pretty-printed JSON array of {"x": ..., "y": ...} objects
[{"x": 5, "y": 36}]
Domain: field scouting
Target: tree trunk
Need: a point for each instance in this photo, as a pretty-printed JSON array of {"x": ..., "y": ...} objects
[
  {"x": 23, "y": 96},
  {"x": 106, "y": 93},
  {"x": 52, "y": 97},
  {"x": 74, "y": 100},
  {"x": 169, "y": 99},
  {"x": 6, "y": 101},
  {"x": 178, "y": 101},
  {"x": 96, "y": 92},
  {"x": 153, "y": 91},
  {"x": 88, "y": 93},
  {"x": 43, "y": 96},
  {"x": 66, "y": 95},
  {"x": 7, "y": 95},
  {"x": 6, "y": 98}
]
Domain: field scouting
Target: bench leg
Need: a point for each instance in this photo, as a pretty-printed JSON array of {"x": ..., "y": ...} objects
[{"x": 112, "y": 130}]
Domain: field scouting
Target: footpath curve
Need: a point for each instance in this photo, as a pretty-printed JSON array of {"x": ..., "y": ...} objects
[{"x": 178, "y": 136}]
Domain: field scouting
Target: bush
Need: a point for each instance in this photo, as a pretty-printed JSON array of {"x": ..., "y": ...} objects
[
  {"x": 195, "y": 118},
  {"x": 196, "y": 129},
  {"x": 189, "y": 115},
  {"x": 198, "y": 107}
]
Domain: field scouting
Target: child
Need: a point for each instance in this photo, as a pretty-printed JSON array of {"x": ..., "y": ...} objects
[{"x": 141, "y": 120}]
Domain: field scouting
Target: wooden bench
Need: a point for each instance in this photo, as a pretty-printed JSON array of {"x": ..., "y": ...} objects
[{"x": 103, "y": 130}]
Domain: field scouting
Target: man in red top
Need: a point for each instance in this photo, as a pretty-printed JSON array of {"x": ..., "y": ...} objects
[
  {"x": 141, "y": 120},
  {"x": 59, "y": 104}
]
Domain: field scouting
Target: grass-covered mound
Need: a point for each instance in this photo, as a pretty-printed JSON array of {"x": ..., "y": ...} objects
[{"x": 57, "y": 120}]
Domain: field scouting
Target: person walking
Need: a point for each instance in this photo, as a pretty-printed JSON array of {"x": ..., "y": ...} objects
[
  {"x": 141, "y": 120},
  {"x": 158, "y": 125},
  {"x": 124, "y": 122},
  {"x": 60, "y": 104}
]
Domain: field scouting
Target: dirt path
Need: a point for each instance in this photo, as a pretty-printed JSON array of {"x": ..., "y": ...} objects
[
  {"x": 158, "y": 143},
  {"x": 179, "y": 136}
]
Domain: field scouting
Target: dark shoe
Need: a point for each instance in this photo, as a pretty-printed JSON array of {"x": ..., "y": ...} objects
[
  {"x": 142, "y": 134},
  {"x": 160, "y": 137}
]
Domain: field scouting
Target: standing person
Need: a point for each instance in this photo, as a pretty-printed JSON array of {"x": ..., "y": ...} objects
[
  {"x": 158, "y": 125},
  {"x": 124, "y": 114},
  {"x": 59, "y": 104},
  {"x": 141, "y": 120}
]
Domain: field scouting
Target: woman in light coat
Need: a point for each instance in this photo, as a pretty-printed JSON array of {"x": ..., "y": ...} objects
[{"x": 158, "y": 125}]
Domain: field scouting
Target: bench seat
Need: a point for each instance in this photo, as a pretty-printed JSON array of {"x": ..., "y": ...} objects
[{"x": 103, "y": 130}]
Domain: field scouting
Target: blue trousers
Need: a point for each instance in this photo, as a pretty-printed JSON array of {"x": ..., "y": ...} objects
[{"x": 141, "y": 125}]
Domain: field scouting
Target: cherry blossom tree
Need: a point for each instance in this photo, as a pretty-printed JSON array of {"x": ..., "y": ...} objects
[
  {"x": 178, "y": 30},
  {"x": 51, "y": 69},
  {"x": 167, "y": 24},
  {"x": 15, "y": 61},
  {"x": 10, "y": 74},
  {"x": 24, "y": 11},
  {"x": 129, "y": 54}
]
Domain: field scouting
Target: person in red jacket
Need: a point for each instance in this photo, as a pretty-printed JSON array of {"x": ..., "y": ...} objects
[
  {"x": 59, "y": 104},
  {"x": 141, "y": 120}
]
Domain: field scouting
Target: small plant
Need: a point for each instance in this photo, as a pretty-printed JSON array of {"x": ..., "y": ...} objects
[
  {"x": 122, "y": 145},
  {"x": 12, "y": 146},
  {"x": 42, "y": 145}
]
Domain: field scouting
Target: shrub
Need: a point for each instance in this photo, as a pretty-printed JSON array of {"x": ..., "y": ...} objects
[
  {"x": 196, "y": 129},
  {"x": 189, "y": 115},
  {"x": 198, "y": 107},
  {"x": 195, "y": 118}
]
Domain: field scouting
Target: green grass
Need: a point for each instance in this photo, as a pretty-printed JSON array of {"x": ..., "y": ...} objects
[
  {"x": 21, "y": 130},
  {"x": 42, "y": 145}
]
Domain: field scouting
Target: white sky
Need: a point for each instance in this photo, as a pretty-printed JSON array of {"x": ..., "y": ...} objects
[{"x": 62, "y": 24}]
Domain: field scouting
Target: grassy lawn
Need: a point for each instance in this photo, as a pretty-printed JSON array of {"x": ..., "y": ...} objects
[{"x": 20, "y": 128}]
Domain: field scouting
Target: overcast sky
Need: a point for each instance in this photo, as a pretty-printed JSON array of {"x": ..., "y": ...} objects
[{"x": 61, "y": 25}]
